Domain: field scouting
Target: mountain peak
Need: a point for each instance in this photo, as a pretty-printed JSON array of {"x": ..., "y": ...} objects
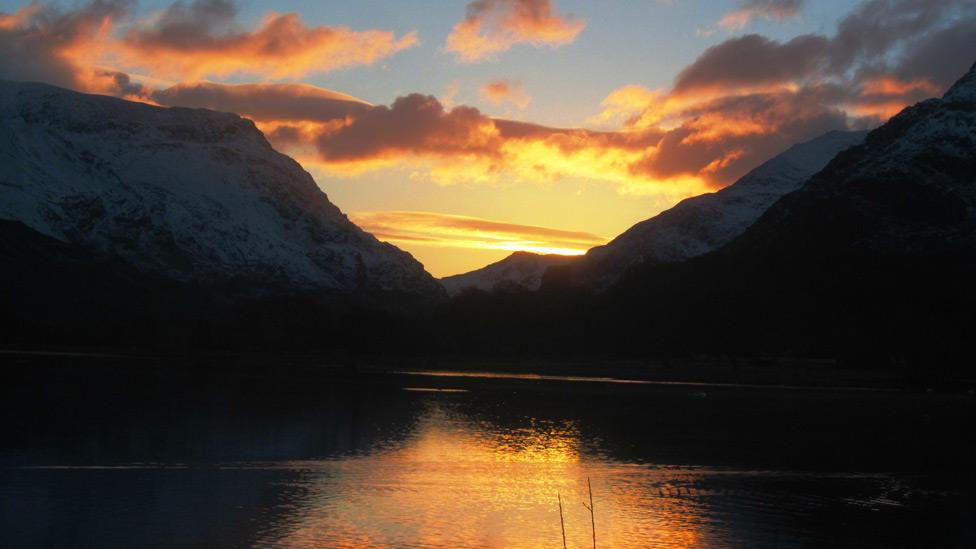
[{"x": 964, "y": 89}]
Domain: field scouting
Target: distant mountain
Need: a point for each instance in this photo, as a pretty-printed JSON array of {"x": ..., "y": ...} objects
[
  {"x": 189, "y": 195},
  {"x": 704, "y": 223},
  {"x": 55, "y": 292},
  {"x": 519, "y": 271}
]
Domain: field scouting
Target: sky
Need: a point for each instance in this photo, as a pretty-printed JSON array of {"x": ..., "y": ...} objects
[{"x": 462, "y": 131}]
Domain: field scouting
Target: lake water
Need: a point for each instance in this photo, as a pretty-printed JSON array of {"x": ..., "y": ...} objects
[{"x": 133, "y": 456}]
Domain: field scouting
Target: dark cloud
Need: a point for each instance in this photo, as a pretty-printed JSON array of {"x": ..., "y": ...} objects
[
  {"x": 201, "y": 24},
  {"x": 753, "y": 60},
  {"x": 940, "y": 56},
  {"x": 121, "y": 84},
  {"x": 880, "y": 36},
  {"x": 414, "y": 124}
]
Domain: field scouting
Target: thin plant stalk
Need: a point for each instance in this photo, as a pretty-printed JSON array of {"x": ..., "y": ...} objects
[
  {"x": 562, "y": 524},
  {"x": 590, "y": 509}
]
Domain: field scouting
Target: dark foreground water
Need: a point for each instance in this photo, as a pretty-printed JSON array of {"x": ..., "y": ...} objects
[{"x": 142, "y": 455}]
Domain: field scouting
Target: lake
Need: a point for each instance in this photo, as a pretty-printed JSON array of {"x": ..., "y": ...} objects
[{"x": 118, "y": 453}]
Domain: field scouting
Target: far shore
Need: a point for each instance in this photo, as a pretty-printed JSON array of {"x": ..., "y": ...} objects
[{"x": 766, "y": 372}]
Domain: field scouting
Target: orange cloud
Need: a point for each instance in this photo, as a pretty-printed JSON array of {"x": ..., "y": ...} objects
[
  {"x": 506, "y": 91},
  {"x": 458, "y": 231},
  {"x": 494, "y": 26},
  {"x": 194, "y": 41},
  {"x": 890, "y": 85}
]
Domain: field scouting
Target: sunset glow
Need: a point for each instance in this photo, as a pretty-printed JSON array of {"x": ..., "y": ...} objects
[{"x": 455, "y": 231}]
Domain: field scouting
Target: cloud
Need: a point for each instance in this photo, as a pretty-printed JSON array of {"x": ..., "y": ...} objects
[
  {"x": 457, "y": 231},
  {"x": 494, "y": 26},
  {"x": 45, "y": 43},
  {"x": 506, "y": 91},
  {"x": 778, "y": 10},
  {"x": 87, "y": 47},
  {"x": 192, "y": 41}
]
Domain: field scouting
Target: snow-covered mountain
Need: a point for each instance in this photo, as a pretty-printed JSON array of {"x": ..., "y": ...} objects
[
  {"x": 704, "y": 223},
  {"x": 872, "y": 259},
  {"x": 189, "y": 194},
  {"x": 521, "y": 270}
]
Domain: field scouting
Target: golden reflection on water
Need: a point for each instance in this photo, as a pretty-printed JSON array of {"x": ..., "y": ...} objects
[{"x": 460, "y": 482}]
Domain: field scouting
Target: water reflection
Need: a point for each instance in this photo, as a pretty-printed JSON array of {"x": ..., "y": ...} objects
[{"x": 366, "y": 463}]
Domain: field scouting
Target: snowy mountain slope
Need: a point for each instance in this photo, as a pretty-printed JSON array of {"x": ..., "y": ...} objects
[
  {"x": 193, "y": 195},
  {"x": 521, "y": 270},
  {"x": 704, "y": 223},
  {"x": 909, "y": 189}
]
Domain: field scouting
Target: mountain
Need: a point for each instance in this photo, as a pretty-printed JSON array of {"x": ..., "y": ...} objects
[
  {"x": 876, "y": 252},
  {"x": 704, "y": 223},
  {"x": 189, "y": 195},
  {"x": 521, "y": 271}
]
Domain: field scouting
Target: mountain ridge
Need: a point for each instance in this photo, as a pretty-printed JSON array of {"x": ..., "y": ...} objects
[
  {"x": 703, "y": 223},
  {"x": 191, "y": 194}
]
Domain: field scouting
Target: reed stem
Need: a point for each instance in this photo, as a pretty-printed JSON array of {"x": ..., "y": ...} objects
[{"x": 562, "y": 525}]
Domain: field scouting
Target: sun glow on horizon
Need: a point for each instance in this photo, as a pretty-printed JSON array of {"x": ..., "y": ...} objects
[{"x": 411, "y": 229}]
